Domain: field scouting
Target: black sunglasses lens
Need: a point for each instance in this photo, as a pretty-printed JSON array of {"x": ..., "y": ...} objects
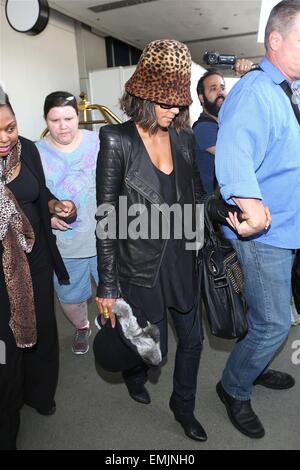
[
  {"x": 166, "y": 106},
  {"x": 170, "y": 106}
]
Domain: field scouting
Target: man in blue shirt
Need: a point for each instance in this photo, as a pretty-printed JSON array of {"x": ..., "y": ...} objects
[
  {"x": 257, "y": 163},
  {"x": 211, "y": 93}
]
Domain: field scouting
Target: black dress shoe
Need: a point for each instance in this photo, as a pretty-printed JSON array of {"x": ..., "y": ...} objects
[
  {"x": 139, "y": 393},
  {"x": 192, "y": 428},
  {"x": 241, "y": 414},
  {"x": 47, "y": 412},
  {"x": 275, "y": 379}
]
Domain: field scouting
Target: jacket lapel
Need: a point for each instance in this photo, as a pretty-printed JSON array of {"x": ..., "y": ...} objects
[
  {"x": 182, "y": 164},
  {"x": 141, "y": 173}
]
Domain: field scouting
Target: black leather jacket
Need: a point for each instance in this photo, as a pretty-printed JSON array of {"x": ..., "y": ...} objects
[{"x": 125, "y": 169}]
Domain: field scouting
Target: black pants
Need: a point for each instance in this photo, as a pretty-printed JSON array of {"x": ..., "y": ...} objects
[
  {"x": 30, "y": 374},
  {"x": 188, "y": 328}
]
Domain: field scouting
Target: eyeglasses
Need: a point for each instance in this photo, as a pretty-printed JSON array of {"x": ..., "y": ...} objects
[{"x": 170, "y": 106}]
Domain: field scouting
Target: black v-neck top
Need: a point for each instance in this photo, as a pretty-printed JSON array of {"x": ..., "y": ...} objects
[{"x": 174, "y": 286}]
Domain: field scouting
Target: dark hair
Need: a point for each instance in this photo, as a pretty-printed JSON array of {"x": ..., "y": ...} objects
[
  {"x": 59, "y": 98},
  {"x": 200, "y": 85},
  {"x": 282, "y": 18},
  {"x": 143, "y": 113},
  {"x": 4, "y": 100}
]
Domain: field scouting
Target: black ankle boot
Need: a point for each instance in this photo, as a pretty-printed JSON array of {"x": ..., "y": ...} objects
[
  {"x": 49, "y": 411},
  {"x": 192, "y": 428},
  {"x": 139, "y": 393}
]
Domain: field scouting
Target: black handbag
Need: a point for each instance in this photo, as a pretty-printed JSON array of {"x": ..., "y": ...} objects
[
  {"x": 296, "y": 281},
  {"x": 222, "y": 285}
]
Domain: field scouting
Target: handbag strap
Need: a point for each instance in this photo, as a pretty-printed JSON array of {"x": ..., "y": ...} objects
[{"x": 209, "y": 226}]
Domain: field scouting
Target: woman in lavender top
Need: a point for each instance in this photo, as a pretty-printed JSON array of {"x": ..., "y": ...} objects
[{"x": 69, "y": 157}]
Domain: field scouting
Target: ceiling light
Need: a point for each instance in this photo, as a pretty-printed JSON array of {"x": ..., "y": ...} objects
[{"x": 119, "y": 4}]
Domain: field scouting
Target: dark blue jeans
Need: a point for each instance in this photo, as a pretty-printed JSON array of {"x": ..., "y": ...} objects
[{"x": 188, "y": 327}]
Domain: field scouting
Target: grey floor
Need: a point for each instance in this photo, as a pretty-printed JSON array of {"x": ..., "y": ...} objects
[{"x": 94, "y": 410}]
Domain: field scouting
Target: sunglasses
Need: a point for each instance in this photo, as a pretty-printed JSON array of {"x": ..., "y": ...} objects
[{"x": 170, "y": 106}]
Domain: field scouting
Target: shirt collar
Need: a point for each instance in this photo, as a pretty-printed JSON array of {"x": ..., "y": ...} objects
[
  {"x": 273, "y": 72},
  {"x": 204, "y": 114}
]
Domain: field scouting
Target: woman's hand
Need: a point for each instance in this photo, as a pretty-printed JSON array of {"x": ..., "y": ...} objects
[
  {"x": 59, "y": 224},
  {"x": 248, "y": 227},
  {"x": 244, "y": 229},
  {"x": 64, "y": 208},
  {"x": 105, "y": 309}
]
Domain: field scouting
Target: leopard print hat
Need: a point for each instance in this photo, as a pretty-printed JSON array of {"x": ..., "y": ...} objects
[{"x": 163, "y": 74}]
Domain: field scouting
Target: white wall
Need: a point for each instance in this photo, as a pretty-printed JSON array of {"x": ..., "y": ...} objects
[
  {"x": 33, "y": 66},
  {"x": 107, "y": 87},
  {"x": 95, "y": 52},
  {"x": 265, "y": 10},
  {"x": 195, "y": 108},
  {"x": 91, "y": 54}
]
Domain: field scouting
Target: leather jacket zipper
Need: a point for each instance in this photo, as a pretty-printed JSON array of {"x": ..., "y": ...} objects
[{"x": 137, "y": 189}]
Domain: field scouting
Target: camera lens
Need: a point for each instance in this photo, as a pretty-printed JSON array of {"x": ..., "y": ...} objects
[{"x": 212, "y": 58}]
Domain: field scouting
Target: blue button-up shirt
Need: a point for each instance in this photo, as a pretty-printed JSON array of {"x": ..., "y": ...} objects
[{"x": 258, "y": 152}]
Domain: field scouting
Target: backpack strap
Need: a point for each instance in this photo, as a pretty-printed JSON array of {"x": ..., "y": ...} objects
[{"x": 287, "y": 90}]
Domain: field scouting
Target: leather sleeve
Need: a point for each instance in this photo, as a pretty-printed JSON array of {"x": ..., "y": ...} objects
[
  {"x": 218, "y": 210},
  {"x": 109, "y": 177}
]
